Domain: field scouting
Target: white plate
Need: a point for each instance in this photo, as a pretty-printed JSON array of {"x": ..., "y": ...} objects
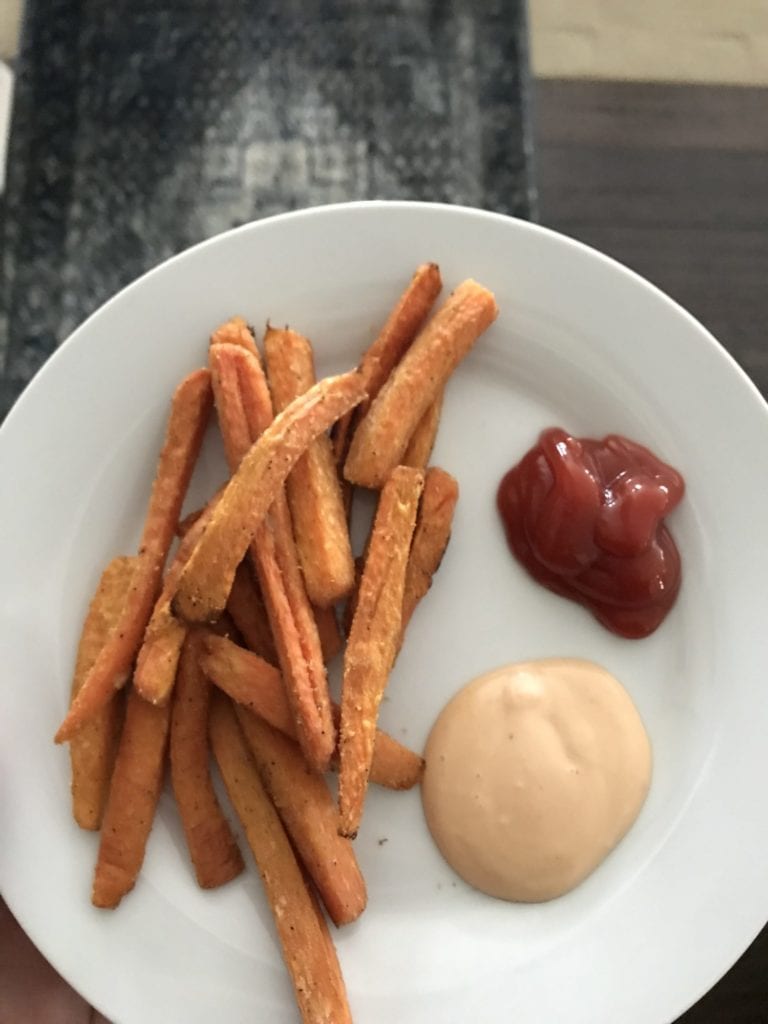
[{"x": 580, "y": 342}]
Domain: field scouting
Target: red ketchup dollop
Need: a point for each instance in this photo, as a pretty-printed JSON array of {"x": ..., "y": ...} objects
[{"x": 586, "y": 519}]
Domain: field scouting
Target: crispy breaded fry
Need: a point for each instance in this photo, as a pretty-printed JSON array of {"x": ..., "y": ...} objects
[
  {"x": 382, "y": 437},
  {"x": 303, "y": 933},
  {"x": 184, "y": 525},
  {"x": 351, "y": 605},
  {"x": 190, "y": 410},
  {"x": 244, "y": 405},
  {"x": 254, "y": 393},
  {"x": 331, "y": 640},
  {"x": 297, "y": 640},
  {"x": 394, "y": 766},
  {"x": 235, "y": 331},
  {"x": 257, "y": 685},
  {"x": 158, "y": 657},
  {"x": 373, "y": 639},
  {"x": 136, "y": 783},
  {"x": 234, "y": 423},
  {"x": 430, "y": 538},
  {"x": 335, "y": 978},
  {"x": 422, "y": 441},
  {"x": 248, "y": 680},
  {"x": 246, "y": 609},
  {"x": 210, "y": 841},
  {"x": 309, "y": 815},
  {"x": 207, "y": 577},
  {"x": 314, "y": 492},
  {"x": 387, "y": 350},
  {"x": 290, "y": 364},
  {"x": 92, "y": 750}
]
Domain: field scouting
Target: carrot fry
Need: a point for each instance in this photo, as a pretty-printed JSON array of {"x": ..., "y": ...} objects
[
  {"x": 190, "y": 410},
  {"x": 255, "y": 394},
  {"x": 430, "y": 538},
  {"x": 229, "y": 399},
  {"x": 257, "y": 685},
  {"x": 419, "y": 449},
  {"x": 185, "y": 525},
  {"x": 294, "y": 629},
  {"x": 374, "y": 637},
  {"x": 309, "y": 815},
  {"x": 211, "y": 844},
  {"x": 382, "y": 437},
  {"x": 235, "y": 332},
  {"x": 207, "y": 577},
  {"x": 387, "y": 350},
  {"x": 394, "y": 766},
  {"x": 334, "y": 978},
  {"x": 133, "y": 795},
  {"x": 158, "y": 657},
  {"x": 331, "y": 640},
  {"x": 244, "y": 406},
  {"x": 248, "y": 680},
  {"x": 246, "y": 609},
  {"x": 92, "y": 751},
  {"x": 303, "y": 933},
  {"x": 351, "y": 605},
  {"x": 314, "y": 493}
]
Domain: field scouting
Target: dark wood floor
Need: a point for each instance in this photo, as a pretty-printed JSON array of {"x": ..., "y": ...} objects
[{"x": 673, "y": 182}]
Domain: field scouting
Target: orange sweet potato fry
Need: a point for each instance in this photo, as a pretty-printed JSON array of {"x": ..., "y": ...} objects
[
  {"x": 158, "y": 657},
  {"x": 394, "y": 766},
  {"x": 185, "y": 525},
  {"x": 212, "y": 846},
  {"x": 248, "y": 680},
  {"x": 430, "y": 538},
  {"x": 244, "y": 406},
  {"x": 335, "y": 979},
  {"x": 258, "y": 413},
  {"x": 306, "y": 945},
  {"x": 257, "y": 685},
  {"x": 351, "y": 605},
  {"x": 331, "y": 640},
  {"x": 246, "y": 609},
  {"x": 382, "y": 437},
  {"x": 314, "y": 492},
  {"x": 190, "y": 409},
  {"x": 309, "y": 815},
  {"x": 374, "y": 637},
  {"x": 419, "y": 449},
  {"x": 92, "y": 751},
  {"x": 298, "y": 644},
  {"x": 387, "y": 350},
  {"x": 234, "y": 423},
  {"x": 136, "y": 783},
  {"x": 207, "y": 577},
  {"x": 254, "y": 393},
  {"x": 235, "y": 331}
]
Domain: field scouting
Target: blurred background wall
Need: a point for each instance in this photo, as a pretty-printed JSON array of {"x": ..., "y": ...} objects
[{"x": 723, "y": 41}]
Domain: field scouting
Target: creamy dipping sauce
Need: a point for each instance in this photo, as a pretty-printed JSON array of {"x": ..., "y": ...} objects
[{"x": 534, "y": 773}]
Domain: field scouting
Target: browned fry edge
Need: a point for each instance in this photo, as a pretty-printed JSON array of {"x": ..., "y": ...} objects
[{"x": 212, "y": 846}]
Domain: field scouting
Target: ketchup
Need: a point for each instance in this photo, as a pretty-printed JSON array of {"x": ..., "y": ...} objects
[{"x": 586, "y": 519}]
